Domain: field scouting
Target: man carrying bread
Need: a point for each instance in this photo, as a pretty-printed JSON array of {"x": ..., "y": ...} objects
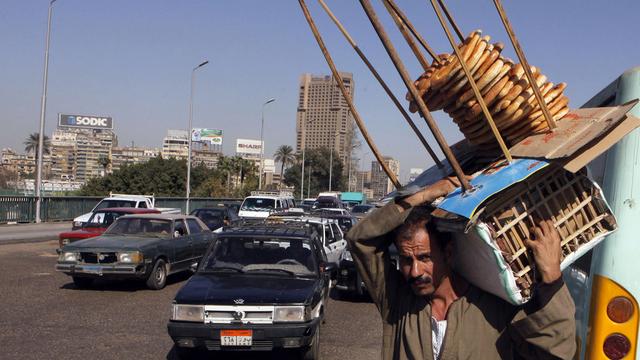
[{"x": 430, "y": 312}]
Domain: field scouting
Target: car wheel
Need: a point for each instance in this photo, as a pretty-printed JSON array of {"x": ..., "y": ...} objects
[
  {"x": 82, "y": 282},
  {"x": 158, "y": 277},
  {"x": 312, "y": 352}
]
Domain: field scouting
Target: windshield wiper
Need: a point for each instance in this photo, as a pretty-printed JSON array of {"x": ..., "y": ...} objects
[
  {"x": 280, "y": 270},
  {"x": 215, "y": 268}
]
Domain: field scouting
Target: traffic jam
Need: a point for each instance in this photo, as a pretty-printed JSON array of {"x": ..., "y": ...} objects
[{"x": 262, "y": 269}]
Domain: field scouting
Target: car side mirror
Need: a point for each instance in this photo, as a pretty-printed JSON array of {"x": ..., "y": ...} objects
[
  {"x": 193, "y": 267},
  {"x": 327, "y": 267},
  {"x": 176, "y": 234}
]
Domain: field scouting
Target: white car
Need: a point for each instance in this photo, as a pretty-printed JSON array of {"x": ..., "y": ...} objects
[
  {"x": 261, "y": 204},
  {"x": 329, "y": 232}
]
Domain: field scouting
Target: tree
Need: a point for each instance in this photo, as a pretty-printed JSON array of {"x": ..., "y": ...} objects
[
  {"x": 317, "y": 166},
  {"x": 104, "y": 161},
  {"x": 31, "y": 144},
  {"x": 285, "y": 156}
]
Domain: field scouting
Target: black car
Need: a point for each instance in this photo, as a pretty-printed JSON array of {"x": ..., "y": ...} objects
[
  {"x": 259, "y": 287},
  {"x": 327, "y": 202},
  {"x": 349, "y": 280},
  {"x": 146, "y": 246},
  {"x": 216, "y": 217}
]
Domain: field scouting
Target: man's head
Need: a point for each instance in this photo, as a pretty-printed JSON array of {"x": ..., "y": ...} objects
[{"x": 425, "y": 253}]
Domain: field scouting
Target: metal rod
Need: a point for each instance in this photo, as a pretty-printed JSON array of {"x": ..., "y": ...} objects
[
  {"x": 413, "y": 30},
  {"x": 473, "y": 84},
  {"x": 407, "y": 37},
  {"x": 451, "y": 21},
  {"x": 525, "y": 64},
  {"x": 190, "y": 131},
  {"x": 422, "y": 107},
  {"x": 356, "y": 115},
  {"x": 383, "y": 84},
  {"x": 43, "y": 111}
]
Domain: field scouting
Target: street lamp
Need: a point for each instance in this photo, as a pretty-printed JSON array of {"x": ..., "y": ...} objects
[
  {"x": 43, "y": 109},
  {"x": 262, "y": 143},
  {"x": 193, "y": 75}
]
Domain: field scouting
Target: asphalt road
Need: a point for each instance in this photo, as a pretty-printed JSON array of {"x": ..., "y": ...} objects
[
  {"x": 43, "y": 316},
  {"x": 22, "y": 233}
]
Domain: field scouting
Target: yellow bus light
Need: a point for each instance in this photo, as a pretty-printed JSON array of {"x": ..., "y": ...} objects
[
  {"x": 616, "y": 346},
  {"x": 620, "y": 309}
]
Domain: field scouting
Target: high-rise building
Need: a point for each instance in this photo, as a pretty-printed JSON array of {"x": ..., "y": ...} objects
[
  {"x": 23, "y": 164},
  {"x": 131, "y": 155},
  {"x": 76, "y": 151},
  {"x": 380, "y": 183},
  {"x": 175, "y": 145},
  {"x": 323, "y": 118}
]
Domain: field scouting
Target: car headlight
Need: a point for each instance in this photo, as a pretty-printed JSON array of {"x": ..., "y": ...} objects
[
  {"x": 67, "y": 256},
  {"x": 346, "y": 256},
  {"x": 193, "y": 313},
  {"x": 291, "y": 314},
  {"x": 130, "y": 257},
  {"x": 77, "y": 224}
]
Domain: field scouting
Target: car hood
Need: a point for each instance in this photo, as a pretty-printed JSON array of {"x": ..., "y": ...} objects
[
  {"x": 82, "y": 234},
  {"x": 224, "y": 288},
  {"x": 112, "y": 243}
]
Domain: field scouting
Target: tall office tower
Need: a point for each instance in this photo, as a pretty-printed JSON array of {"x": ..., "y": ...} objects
[
  {"x": 380, "y": 183},
  {"x": 323, "y": 118},
  {"x": 76, "y": 152}
]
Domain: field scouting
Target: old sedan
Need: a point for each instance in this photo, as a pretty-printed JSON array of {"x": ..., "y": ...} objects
[{"x": 147, "y": 247}]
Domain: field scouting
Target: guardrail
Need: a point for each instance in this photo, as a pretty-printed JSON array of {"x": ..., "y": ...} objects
[{"x": 63, "y": 208}]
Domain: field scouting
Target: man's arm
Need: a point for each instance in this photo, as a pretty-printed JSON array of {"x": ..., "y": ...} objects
[
  {"x": 370, "y": 238},
  {"x": 545, "y": 327}
]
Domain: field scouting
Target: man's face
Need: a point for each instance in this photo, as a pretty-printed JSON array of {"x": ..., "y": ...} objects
[{"x": 422, "y": 262}]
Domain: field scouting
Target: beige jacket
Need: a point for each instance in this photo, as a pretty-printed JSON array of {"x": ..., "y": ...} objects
[{"x": 479, "y": 325}]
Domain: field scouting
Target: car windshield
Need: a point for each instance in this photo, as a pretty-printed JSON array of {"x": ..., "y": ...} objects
[
  {"x": 141, "y": 227},
  {"x": 326, "y": 205},
  {"x": 115, "y": 203},
  {"x": 102, "y": 219},
  {"x": 274, "y": 256},
  {"x": 258, "y": 204},
  {"x": 214, "y": 218},
  {"x": 361, "y": 208}
]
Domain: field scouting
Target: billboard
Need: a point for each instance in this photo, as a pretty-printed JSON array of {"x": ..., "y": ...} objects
[
  {"x": 212, "y": 136},
  {"x": 248, "y": 146},
  {"x": 85, "y": 121}
]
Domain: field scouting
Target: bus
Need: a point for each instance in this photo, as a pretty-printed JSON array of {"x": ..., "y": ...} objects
[{"x": 605, "y": 282}]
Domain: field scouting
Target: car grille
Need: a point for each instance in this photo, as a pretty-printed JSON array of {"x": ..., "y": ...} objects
[
  {"x": 234, "y": 314},
  {"x": 259, "y": 345},
  {"x": 98, "y": 258}
]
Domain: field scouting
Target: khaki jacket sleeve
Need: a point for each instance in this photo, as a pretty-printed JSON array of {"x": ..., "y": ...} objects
[
  {"x": 548, "y": 333},
  {"x": 369, "y": 242}
]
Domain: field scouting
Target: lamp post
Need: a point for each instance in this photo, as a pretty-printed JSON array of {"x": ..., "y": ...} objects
[
  {"x": 43, "y": 109},
  {"x": 330, "y": 166},
  {"x": 193, "y": 75},
  {"x": 262, "y": 142}
]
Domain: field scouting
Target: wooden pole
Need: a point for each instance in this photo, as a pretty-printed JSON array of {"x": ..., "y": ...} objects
[
  {"x": 382, "y": 83},
  {"x": 412, "y": 28},
  {"x": 453, "y": 23},
  {"x": 525, "y": 64},
  {"x": 345, "y": 94},
  {"x": 473, "y": 84},
  {"x": 422, "y": 107},
  {"x": 405, "y": 33}
]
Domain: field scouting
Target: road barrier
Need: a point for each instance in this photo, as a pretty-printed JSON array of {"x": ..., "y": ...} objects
[{"x": 63, "y": 208}]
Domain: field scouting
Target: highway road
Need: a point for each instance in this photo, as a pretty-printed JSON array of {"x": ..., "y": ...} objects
[{"x": 43, "y": 316}]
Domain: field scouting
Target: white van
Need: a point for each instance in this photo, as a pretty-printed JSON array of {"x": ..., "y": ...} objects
[{"x": 262, "y": 203}]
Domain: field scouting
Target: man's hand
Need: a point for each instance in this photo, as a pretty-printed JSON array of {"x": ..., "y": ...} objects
[
  {"x": 430, "y": 193},
  {"x": 546, "y": 251}
]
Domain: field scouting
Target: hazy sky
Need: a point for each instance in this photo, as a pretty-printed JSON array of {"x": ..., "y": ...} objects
[{"x": 132, "y": 60}]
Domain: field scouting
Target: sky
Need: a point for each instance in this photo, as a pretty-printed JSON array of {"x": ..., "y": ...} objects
[{"x": 132, "y": 60}]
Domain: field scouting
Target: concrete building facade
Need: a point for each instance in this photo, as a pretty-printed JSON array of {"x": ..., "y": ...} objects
[{"x": 380, "y": 183}]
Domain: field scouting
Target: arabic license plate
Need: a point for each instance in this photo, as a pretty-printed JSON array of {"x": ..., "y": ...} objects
[
  {"x": 92, "y": 269},
  {"x": 236, "y": 337}
]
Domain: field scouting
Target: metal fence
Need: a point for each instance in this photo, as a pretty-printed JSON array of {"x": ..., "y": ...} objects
[{"x": 62, "y": 208}]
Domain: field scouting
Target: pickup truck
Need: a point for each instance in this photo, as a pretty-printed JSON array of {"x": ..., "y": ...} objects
[{"x": 123, "y": 200}]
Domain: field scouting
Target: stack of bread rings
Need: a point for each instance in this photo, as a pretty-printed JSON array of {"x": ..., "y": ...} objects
[{"x": 504, "y": 88}]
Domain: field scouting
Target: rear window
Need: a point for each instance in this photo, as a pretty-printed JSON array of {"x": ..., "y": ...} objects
[
  {"x": 258, "y": 204},
  {"x": 115, "y": 203}
]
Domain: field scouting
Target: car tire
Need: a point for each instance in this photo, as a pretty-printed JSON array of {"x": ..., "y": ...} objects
[
  {"x": 312, "y": 352},
  {"x": 158, "y": 277},
  {"x": 82, "y": 282}
]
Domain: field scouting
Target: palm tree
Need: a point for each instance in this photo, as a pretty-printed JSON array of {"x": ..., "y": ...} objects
[
  {"x": 285, "y": 156},
  {"x": 104, "y": 161},
  {"x": 31, "y": 144}
]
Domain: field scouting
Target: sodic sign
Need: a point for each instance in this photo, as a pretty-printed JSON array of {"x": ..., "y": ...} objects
[{"x": 85, "y": 121}]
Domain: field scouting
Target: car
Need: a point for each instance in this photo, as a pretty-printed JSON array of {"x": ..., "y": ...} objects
[
  {"x": 360, "y": 211},
  {"x": 327, "y": 202},
  {"x": 344, "y": 220},
  {"x": 262, "y": 203},
  {"x": 216, "y": 217},
  {"x": 325, "y": 211},
  {"x": 99, "y": 221},
  {"x": 145, "y": 247},
  {"x": 349, "y": 280},
  {"x": 258, "y": 288}
]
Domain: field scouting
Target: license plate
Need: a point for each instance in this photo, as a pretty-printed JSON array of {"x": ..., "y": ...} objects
[
  {"x": 236, "y": 337},
  {"x": 92, "y": 269}
]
